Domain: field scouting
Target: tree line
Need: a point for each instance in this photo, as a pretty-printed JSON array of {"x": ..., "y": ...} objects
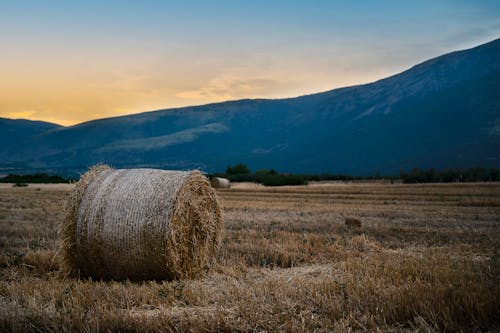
[
  {"x": 477, "y": 174},
  {"x": 38, "y": 178},
  {"x": 270, "y": 177}
]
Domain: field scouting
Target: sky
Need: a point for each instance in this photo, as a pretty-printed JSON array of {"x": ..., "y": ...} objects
[{"x": 72, "y": 61}]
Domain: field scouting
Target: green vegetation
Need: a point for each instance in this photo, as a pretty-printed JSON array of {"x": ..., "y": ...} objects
[
  {"x": 238, "y": 169},
  {"x": 270, "y": 177},
  {"x": 38, "y": 178},
  {"x": 241, "y": 173},
  {"x": 451, "y": 175}
]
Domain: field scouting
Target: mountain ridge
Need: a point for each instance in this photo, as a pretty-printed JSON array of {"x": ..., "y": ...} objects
[
  {"x": 422, "y": 64},
  {"x": 332, "y": 131}
]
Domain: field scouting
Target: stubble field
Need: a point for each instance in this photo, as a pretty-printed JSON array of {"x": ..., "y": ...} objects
[{"x": 426, "y": 258}]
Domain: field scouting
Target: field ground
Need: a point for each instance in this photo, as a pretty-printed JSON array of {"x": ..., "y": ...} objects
[{"x": 426, "y": 258}]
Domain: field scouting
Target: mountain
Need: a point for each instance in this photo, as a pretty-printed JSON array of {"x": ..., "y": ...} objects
[
  {"x": 13, "y": 130},
  {"x": 15, "y": 134},
  {"x": 444, "y": 112}
]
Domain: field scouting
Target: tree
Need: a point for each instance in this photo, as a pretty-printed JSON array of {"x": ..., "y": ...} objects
[
  {"x": 266, "y": 172},
  {"x": 238, "y": 169}
]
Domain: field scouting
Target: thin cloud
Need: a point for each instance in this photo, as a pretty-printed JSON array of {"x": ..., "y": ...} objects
[{"x": 225, "y": 87}]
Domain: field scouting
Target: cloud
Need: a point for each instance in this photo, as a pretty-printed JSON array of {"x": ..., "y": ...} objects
[
  {"x": 20, "y": 114},
  {"x": 278, "y": 147},
  {"x": 227, "y": 87}
]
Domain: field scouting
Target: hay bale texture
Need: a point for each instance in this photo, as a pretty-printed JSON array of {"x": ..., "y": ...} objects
[
  {"x": 219, "y": 182},
  {"x": 140, "y": 224}
]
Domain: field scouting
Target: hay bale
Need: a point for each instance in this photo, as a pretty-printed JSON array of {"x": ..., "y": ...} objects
[
  {"x": 353, "y": 222},
  {"x": 219, "y": 182},
  {"x": 140, "y": 224}
]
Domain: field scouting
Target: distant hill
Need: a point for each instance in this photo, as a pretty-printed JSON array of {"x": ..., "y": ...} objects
[
  {"x": 16, "y": 135},
  {"x": 444, "y": 112}
]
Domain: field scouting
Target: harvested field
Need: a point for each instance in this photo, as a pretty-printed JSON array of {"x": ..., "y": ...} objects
[{"x": 426, "y": 258}]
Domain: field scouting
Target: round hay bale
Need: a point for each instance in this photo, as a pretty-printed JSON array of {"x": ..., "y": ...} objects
[
  {"x": 140, "y": 224},
  {"x": 219, "y": 182}
]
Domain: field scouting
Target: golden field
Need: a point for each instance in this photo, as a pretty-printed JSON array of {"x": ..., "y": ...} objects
[{"x": 426, "y": 258}]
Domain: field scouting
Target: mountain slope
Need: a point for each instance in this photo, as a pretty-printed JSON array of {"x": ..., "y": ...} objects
[
  {"x": 16, "y": 133},
  {"x": 444, "y": 112}
]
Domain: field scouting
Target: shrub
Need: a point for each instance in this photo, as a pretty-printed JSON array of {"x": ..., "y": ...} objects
[
  {"x": 238, "y": 169},
  {"x": 37, "y": 178},
  {"x": 281, "y": 180}
]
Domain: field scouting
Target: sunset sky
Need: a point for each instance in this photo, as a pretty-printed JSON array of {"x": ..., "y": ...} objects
[{"x": 72, "y": 61}]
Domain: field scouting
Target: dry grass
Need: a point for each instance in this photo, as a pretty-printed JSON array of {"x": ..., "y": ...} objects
[{"x": 426, "y": 258}]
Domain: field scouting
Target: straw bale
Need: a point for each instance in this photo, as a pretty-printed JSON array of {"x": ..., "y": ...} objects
[
  {"x": 140, "y": 224},
  {"x": 219, "y": 182}
]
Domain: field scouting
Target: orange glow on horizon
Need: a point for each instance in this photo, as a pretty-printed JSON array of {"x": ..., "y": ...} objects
[
  {"x": 71, "y": 98},
  {"x": 74, "y": 61}
]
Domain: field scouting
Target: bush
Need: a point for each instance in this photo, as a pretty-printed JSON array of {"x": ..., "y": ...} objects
[
  {"x": 282, "y": 180},
  {"x": 451, "y": 175},
  {"x": 38, "y": 178},
  {"x": 238, "y": 169},
  {"x": 267, "y": 177},
  {"x": 270, "y": 177},
  {"x": 262, "y": 172}
]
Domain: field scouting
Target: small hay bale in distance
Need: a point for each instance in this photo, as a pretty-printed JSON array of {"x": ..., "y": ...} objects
[
  {"x": 219, "y": 182},
  {"x": 140, "y": 224},
  {"x": 352, "y": 222}
]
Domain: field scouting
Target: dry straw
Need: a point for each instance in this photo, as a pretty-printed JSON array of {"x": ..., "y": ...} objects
[
  {"x": 219, "y": 182},
  {"x": 140, "y": 224}
]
